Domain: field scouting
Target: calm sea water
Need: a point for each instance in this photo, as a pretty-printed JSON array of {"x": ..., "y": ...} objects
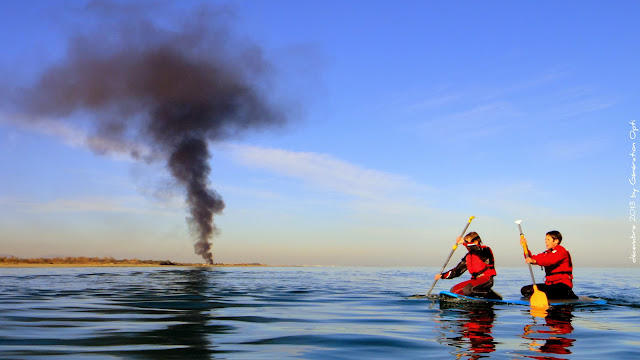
[{"x": 301, "y": 313}]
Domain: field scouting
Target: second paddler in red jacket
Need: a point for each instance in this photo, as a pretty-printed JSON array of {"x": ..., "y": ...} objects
[
  {"x": 480, "y": 263},
  {"x": 558, "y": 267}
]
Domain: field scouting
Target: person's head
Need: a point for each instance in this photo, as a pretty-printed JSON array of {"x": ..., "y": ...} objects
[
  {"x": 472, "y": 238},
  {"x": 553, "y": 239}
]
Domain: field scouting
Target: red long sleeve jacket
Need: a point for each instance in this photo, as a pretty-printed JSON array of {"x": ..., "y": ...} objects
[
  {"x": 479, "y": 261},
  {"x": 557, "y": 265}
]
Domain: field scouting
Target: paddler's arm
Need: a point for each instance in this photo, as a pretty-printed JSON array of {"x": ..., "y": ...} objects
[
  {"x": 459, "y": 240},
  {"x": 456, "y": 271},
  {"x": 549, "y": 258}
]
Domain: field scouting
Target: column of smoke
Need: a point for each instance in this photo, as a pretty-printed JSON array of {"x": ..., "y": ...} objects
[{"x": 173, "y": 92}]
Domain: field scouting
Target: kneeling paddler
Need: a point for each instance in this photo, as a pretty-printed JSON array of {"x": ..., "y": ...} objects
[
  {"x": 480, "y": 263},
  {"x": 558, "y": 267}
]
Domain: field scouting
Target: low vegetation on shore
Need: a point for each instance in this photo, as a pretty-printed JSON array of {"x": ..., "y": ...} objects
[
  {"x": 83, "y": 260},
  {"x": 103, "y": 261}
]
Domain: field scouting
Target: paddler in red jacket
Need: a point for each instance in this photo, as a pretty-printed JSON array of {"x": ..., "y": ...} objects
[
  {"x": 479, "y": 261},
  {"x": 556, "y": 261}
]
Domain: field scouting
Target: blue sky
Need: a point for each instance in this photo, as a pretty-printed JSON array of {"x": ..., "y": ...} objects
[{"x": 406, "y": 118}]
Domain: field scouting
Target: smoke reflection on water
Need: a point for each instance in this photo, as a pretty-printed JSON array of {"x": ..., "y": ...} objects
[
  {"x": 141, "y": 314},
  {"x": 186, "y": 311}
]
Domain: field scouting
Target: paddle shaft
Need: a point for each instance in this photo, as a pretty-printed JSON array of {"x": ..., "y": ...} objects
[
  {"x": 451, "y": 254},
  {"x": 539, "y": 298},
  {"x": 526, "y": 253}
]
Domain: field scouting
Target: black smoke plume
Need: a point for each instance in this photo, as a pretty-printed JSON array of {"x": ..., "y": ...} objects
[{"x": 171, "y": 91}]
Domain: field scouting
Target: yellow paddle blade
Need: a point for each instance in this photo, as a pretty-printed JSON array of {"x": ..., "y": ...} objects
[
  {"x": 538, "y": 312},
  {"x": 539, "y": 298}
]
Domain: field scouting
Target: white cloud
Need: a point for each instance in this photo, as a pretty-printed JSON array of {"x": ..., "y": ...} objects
[
  {"x": 478, "y": 121},
  {"x": 94, "y": 204},
  {"x": 322, "y": 170},
  {"x": 433, "y": 102},
  {"x": 576, "y": 149},
  {"x": 76, "y": 136},
  {"x": 581, "y": 107}
]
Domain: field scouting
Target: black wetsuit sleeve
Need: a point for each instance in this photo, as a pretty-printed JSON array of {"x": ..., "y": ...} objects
[{"x": 456, "y": 271}]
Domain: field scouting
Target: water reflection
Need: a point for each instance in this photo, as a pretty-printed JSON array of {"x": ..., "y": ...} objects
[
  {"x": 181, "y": 308},
  {"x": 550, "y": 334},
  {"x": 146, "y": 314},
  {"x": 467, "y": 329}
]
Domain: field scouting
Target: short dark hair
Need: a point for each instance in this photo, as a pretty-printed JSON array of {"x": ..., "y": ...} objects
[
  {"x": 473, "y": 236},
  {"x": 555, "y": 235}
]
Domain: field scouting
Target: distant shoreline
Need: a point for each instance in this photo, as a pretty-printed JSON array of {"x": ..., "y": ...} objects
[
  {"x": 12, "y": 261},
  {"x": 27, "y": 265}
]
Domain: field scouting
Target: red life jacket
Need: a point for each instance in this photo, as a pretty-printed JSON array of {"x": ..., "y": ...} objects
[
  {"x": 480, "y": 262},
  {"x": 557, "y": 266}
]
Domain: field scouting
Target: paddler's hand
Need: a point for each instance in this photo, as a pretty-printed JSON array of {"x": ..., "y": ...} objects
[
  {"x": 459, "y": 240},
  {"x": 530, "y": 261},
  {"x": 523, "y": 241},
  {"x": 438, "y": 277}
]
